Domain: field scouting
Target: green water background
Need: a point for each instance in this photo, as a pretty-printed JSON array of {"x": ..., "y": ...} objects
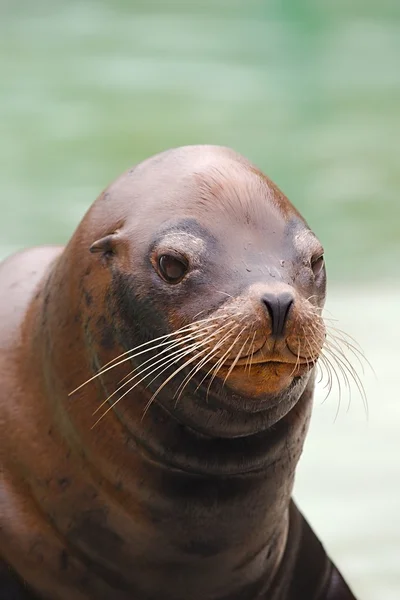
[{"x": 310, "y": 91}]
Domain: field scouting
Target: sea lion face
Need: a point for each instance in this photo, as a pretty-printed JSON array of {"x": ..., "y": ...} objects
[{"x": 213, "y": 262}]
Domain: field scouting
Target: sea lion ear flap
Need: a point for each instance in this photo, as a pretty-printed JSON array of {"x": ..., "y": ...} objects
[{"x": 106, "y": 245}]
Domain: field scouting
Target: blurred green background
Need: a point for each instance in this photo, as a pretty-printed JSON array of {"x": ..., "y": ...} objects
[{"x": 310, "y": 91}]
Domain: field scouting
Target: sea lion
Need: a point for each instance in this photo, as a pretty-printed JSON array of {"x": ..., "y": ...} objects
[{"x": 157, "y": 377}]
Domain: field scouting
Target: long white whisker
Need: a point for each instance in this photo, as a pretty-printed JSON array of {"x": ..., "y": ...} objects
[
  {"x": 133, "y": 352},
  {"x": 171, "y": 358},
  {"x": 216, "y": 348},
  {"x": 196, "y": 368},
  {"x": 177, "y": 342},
  {"x": 222, "y": 359},
  {"x": 233, "y": 365}
]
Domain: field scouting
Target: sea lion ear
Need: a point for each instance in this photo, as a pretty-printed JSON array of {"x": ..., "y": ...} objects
[{"x": 106, "y": 245}]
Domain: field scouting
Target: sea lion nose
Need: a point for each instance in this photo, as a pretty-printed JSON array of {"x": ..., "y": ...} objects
[{"x": 278, "y": 307}]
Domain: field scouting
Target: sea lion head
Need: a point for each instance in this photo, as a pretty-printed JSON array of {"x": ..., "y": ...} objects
[{"x": 213, "y": 284}]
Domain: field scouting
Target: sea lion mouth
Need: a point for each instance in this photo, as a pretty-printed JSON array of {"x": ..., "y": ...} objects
[
  {"x": 275, "y": 367},
  {"x": 264, "y": 356},
  {"x": 260, "y": 359}
]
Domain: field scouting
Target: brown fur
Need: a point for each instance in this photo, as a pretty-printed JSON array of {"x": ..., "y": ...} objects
[{"x": 164, "y": 499}]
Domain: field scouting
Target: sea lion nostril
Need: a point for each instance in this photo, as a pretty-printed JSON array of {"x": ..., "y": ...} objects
[{"x": 278, "y": 307}]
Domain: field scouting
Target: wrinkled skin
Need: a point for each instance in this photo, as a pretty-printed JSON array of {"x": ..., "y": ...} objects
[{"x": 183, "y": 487}]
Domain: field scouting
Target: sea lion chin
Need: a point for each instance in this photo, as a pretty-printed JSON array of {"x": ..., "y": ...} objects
[{"x": 157, "y": 377}]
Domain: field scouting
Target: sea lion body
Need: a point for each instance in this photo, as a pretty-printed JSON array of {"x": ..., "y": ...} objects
[{"x": 183, "y": 488}]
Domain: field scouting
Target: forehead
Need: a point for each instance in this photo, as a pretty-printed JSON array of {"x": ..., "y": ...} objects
[
  {"x": 223, "y": 198},
  {"x": 241, "y": 194},
  {"x": 238, "y": 203}
]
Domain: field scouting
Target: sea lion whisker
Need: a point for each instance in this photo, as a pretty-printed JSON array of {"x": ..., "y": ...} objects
[
  {"x": 188, "y": 328},
  {"x": 356, "y": 351},
  {"x": 250, "y": 354},
  {"x": 140, "y": 371},
  {"x": 333, "y": 371},
  {"x": 322, "y": 369},
  {"x": 188, "y": 362},
  {"x": 313, "y": 342},
  {"x": 253, "y": 350},
  {"x": 172, "y": 346},
  {"x": 329, "y": 384},
  {"x": 318, "y": 365},
  {"x": 216, "y": 348},
  {"x": 216, "y": 370},
  {"x": 199, "y": 313},
  {"x": 347, "y": 368},
  {"x": 329, "y": 312},
  {"x": 199, "y": 333},
  {"x": 168, "y": 344},
  {"x": 308, "y": 344},
  {"x": 328, "y": 367},
  {"x": 152, "y": 399},
  {"x": 331, "y": 319},
  {"x": 223, "y": 359},
  {"x": 184, "y": 365},
  {"x": 193, "y": 372},
  {"x": 297, "y": 358},
  {"x": 341, "y": 332},
  {"x": 225, "y": 293},
  {"x": 184, "y": 352},
  {"x": 345, "y": 337},
  {"x": 335, "y": 347},
  {"x": 336, "y": 343},
  {"x": 320, "y": 378},
  {"x": 344, "y": 334},
  {"x": 313, "y": 333},
  {"x": 320, "y": 358},
  {"x": 199, "y": 354},
  {"x": 150, "y": 368},
  {"x": 310, "y": 298},
  {"x": 175, "y": 356},
  {"x": 236, "y": 359},
  {"x": 196, "y": 368},
  {"x": 339, "y": 363},
  {"x": 204, "y": 361},
  {"x": 112, "y": 364}
]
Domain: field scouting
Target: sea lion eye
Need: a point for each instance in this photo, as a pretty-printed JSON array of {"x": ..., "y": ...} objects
[
  {"x": 317, "y": 264},
  {"x": 171, "y": 268}
]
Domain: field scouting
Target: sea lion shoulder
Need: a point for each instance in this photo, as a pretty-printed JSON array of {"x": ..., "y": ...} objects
[{"x": 20, "y": 275}]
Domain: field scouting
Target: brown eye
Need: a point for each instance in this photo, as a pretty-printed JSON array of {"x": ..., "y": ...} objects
[
  {"x": 317, "y": 264},
  {"x": 172, "y": 269}
]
